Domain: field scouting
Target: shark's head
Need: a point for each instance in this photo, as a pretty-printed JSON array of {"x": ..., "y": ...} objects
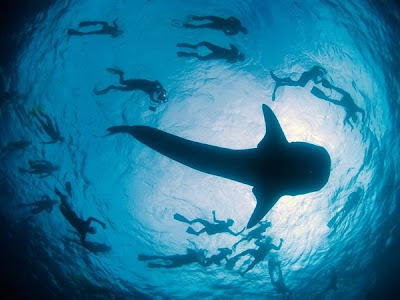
[{"x": 310, "y": 168}]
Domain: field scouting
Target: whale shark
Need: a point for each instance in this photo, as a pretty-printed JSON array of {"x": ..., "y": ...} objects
[{"x": 274, "y": 168}]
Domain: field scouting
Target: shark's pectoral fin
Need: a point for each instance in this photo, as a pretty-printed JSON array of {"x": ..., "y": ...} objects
[
  {"x": 273, "y": 131},
  {"x": 265, "y": 201}
]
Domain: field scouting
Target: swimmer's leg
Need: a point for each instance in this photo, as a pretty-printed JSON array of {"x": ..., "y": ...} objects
[
  {"x": 208, "y": 45},
  {"x": 187, "y": 25},
  {"x": 118, "y": 72},
  {"x": 190, "y": 230},
  {"x": 111, "y": 87},
  {"x": 144, "y": 257},
  {"x": 186, "y": 45},
  {"x": 186, "y": 54},
  {"x": 74, "y": 32}
]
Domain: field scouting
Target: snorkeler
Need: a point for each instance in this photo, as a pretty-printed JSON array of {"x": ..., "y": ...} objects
[
  {"x": 209, "y": 228},
  {"x": 15, "y": 146},
  {"x": 254, "y": 234},
  {"x": 264, "y": 246},
  {"x": 229, "y": 26},
  {"x": 346, "y": 102},
  {"x": 279, "y": 284},
  {"x": 112, "y": 30},
  {"x": 83, "y": 227},
  {"x": 175, "y": 261},
  {"x": 231, "y": 55},
  {"x": 316, "y": 74},
  {"x": 51, "y": 129},
  {"x": 40, "y": 167},
  {"x": 154, "y": 89},
  {"x": 217, "y": 258},
  {"x": 44, "y": 204}
]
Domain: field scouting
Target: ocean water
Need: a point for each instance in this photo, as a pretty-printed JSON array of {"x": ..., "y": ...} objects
[{"x": 346, "y": 233}]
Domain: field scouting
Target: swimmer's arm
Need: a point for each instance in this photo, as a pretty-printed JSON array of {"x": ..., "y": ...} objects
[
  {"x": 215, "y": 219},
  {"x": 91, "y": 219},
  {"x": 278, "y": 247},
  {"x": 238, "y": 233}
]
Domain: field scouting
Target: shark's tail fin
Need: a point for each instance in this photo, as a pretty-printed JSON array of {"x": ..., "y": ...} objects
[{"x": 119, "y": 129}]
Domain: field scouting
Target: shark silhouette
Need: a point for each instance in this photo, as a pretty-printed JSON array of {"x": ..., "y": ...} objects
[{"x": 275, "y": 168}]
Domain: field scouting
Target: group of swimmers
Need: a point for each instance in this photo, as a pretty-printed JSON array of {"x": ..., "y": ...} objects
[
  {"x": 317, "y": 75},
  {"x": 263, "y": 243}
]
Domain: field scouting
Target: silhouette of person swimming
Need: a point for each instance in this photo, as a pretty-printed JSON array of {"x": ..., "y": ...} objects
[
  {"x": 316, "y": 74},
  {"x": 264, "y": 247},
  {"x": 352, "y": 201},
  {"x": 12, "y": 147},
  {"x": 82, "y": 227},
  {"x": 112, "y": 30},
  {"x": 279, "y": 284},
  {"x": 175, "y": 261},
  {"x": 230, "y": 26},
  {"x": 43, "y": 168},
  {"x": 347, "y": 102},
  {"x": 217, "y": 258},
  {"x": 154, "y": 89},
  {"x": 231, "y": 55},
  {"x": 254, "y": 234},
  {"x": 210, "y": 228},
  {"x": 44, "y": 204},
  {"x": 51, "y": 129}
]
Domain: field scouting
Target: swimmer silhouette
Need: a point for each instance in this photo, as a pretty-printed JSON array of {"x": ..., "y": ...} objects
[
  {"x": 175, "y": 261},
  {"x": 231, "y": 55},
  {"x": 275, "y": 168},
  {"x": 230, "y": 26},
  {"x": 106, "y": 28},
  {"x": 210, "y": 228}
]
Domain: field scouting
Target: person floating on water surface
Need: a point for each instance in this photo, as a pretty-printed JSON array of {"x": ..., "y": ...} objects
[
  {"x": 316, "y": 74},
  {"x": 175, "y": 261},
  {"x": 112, "y": 30},
  {"x": 210, "y": 228},
  {"x": 347, "y": 102},
  {"x": 83, "y": 227},
  {"x": 47, "y": 125},
  {"x": 254, "y": 234},
  {"x": 279, "y": 284},
  {"x": 231, "y": 55},
  {"x": 44, "y": 204},
  {"x": 43, "y": 168},
  {"x": 15, "y": 146},
  {"x": 230, "y": 26},
  {"x": 217, "y": 258},
  {"x": 154, "y": 89},
  {"x": 264, "y": 247}
]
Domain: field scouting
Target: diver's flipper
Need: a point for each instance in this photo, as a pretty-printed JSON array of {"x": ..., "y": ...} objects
[
  {"x": 231, "y": 263},
  {"x": 273, "y": 132},
  {"x": 181, "y": 218},
  {"x": 265, "y": 201},
  {"x": 318, "y": 93},
  {"x": 74, "y": 32}
]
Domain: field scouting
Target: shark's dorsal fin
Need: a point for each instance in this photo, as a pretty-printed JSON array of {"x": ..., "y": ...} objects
[
  {"x": 273, "y": 131},
  {"x": 266, "y": 199}
]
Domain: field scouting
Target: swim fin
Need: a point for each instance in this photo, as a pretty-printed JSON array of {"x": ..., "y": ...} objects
[
  {"x": 190, "y": 230},
  {"x": 318, "y": 93},
  {"x": 181, "y": 218}
]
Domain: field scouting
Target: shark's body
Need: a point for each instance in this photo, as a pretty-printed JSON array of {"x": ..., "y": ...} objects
[{"x": 275, "y": 168}]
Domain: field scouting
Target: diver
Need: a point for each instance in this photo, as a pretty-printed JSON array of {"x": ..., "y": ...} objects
[
  {"x": 154, "y": 89},
  {"x": 264, "y": 246},
  {"x": 254, "y": 234},
  {"x": 15, "y": 146},
  {"x": 346, "y": 102},
  {"x": 229, "y": 26},
  {"x": 231, "y": 55},
  {"x": 217, "y": 258},
  {"x": 278, "y": 284},
  {"x": 83, "y": 227},
  {"x": 112, "y": 30},
  {"x": 210, "y": 228},
  {"x": 44, "y": 204},
  {"x": 175, "y": 261},
  {"x": 51, "y": 129},
  {"x": 40, "y": 167},
  {"x": 316, "y": 74}
]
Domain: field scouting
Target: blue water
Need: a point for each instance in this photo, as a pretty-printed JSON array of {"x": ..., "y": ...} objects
[{"x": 349, "y": 227}]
